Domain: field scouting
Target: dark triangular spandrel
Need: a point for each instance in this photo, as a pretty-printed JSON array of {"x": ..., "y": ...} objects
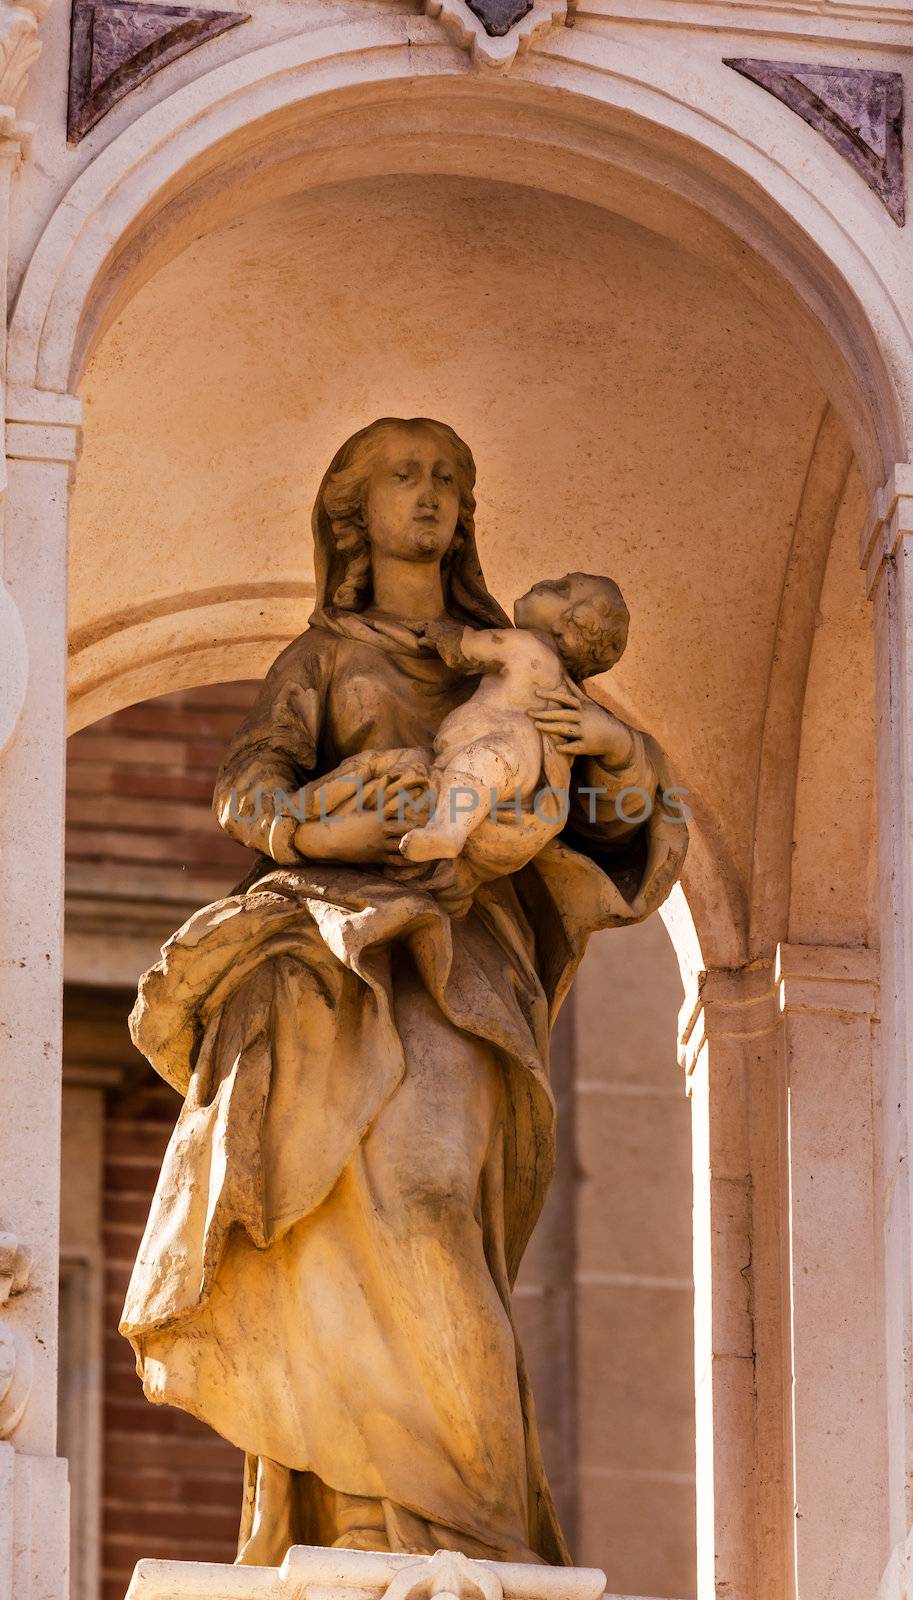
[
  {"x": 499, "y": 16},
  {"x": 116, "y": 45},
  {"x": 858, "y": 110}
]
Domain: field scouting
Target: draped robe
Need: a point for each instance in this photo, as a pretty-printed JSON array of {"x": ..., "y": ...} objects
[{"x": 367, "y": 1134}]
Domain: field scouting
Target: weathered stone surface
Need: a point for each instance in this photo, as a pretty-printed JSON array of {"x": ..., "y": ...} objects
[
  {"x": 859, "y": 112},
  {"x": 117, "y": 45}
]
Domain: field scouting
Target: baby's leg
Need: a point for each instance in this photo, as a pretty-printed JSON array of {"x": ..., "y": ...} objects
[{"x": 466, "y": 786}]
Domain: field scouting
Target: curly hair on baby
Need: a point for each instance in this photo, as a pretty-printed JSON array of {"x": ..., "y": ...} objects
[{"x": 593, "y": 633}]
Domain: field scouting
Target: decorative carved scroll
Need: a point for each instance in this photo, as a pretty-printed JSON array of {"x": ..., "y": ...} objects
[
  {"x": 20, "y": 48},
  {"x": 16, "y": 1359},
  {"x": 495, "y": 32},
  {"x": 859, "y": 111}
]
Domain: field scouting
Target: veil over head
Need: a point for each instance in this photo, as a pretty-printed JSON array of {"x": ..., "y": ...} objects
[{"x": 466, "y": 593}]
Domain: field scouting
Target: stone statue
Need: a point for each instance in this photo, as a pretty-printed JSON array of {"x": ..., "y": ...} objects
[{"x": 362, "y": 1040}]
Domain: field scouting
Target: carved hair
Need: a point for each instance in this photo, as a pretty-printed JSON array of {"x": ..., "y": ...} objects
[
  {"x": 592, "y": 634},
  {"x": 345, "y": 494}
]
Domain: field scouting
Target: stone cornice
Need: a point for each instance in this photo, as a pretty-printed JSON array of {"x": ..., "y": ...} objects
[
  {"x": 890, "y": 26},
  {"x": 838, "y": 979}
]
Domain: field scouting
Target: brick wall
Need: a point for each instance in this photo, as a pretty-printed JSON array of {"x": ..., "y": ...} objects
[{"x": 140, "y": 829}]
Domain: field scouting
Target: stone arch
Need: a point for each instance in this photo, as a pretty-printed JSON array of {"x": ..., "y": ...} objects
[
  {"x": 699, "y": 161},
  {"x": 819, "y": 505},
  {"x": 671, "y": 154}
]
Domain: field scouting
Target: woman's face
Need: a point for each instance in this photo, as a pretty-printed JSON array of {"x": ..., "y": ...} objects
[{"x": 413, "y": 499}]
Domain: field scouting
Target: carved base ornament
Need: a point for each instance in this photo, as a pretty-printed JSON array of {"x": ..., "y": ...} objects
[{"x": 310, "y": 1573}]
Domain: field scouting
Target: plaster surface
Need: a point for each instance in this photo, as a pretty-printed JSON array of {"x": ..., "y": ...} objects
[{"x": 663, "y": 435}]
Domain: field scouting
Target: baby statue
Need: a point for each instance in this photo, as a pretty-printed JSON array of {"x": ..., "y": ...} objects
[{"x": 489, "y": 752}]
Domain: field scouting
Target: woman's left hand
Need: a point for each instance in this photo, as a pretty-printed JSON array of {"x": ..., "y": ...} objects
[
  {"x": 581, "y": 727},
  {"x": 453, "y": 884}
]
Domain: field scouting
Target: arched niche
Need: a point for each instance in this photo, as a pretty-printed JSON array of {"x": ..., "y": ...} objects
[{"x": 685, "y": 187}]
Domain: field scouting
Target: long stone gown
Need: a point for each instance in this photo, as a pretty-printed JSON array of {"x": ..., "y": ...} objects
[{"x": 367, "y": 1135}]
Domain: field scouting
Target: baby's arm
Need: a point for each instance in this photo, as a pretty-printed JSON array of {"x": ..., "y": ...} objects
[
  {"x": 469, "y": 649},
  {"x": 529, "y": 660}
]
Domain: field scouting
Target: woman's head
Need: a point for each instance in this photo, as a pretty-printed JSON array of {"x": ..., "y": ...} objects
[{"x": 404, "y": 486}]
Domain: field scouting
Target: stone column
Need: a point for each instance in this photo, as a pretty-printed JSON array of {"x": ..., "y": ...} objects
[
  {"x": 887, "y": 556},
  {"x": 40, "y": 446},
  {"x": 41, "y": 442},
  {"x": 731, "y": 1054},
  {"x": 827, "y": 1000}
]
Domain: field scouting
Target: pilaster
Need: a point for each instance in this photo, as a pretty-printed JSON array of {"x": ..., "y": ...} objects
[
  {"x": 887, "y": 556},
  {"x": 730, "y": 1054},
  {"x": 42, "y": 439},
  {"x": 827, "y": 998}
]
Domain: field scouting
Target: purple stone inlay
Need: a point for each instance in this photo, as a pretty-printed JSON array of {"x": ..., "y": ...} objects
[
  {"x": 117, "y": 45},
  {"x": 859, "y": 112},
  {"x": 499, "y": 16}
]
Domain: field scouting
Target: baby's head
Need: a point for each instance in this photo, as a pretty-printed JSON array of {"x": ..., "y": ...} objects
[{"x": 585, "y": 615}]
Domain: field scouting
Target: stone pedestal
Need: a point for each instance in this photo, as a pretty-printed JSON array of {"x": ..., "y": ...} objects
[{"x": 312, "y": 1573}]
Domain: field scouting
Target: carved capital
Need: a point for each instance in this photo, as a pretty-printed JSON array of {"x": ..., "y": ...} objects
[
  {"x": 737, "y": 1005},
  {"x": 14, "y": 667},
  {"x": 16, "y": 1355},
  {"x": 889, "y": 524}
]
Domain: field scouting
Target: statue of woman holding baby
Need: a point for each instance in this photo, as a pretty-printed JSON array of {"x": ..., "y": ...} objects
[{"x": 367, "y": 1134}]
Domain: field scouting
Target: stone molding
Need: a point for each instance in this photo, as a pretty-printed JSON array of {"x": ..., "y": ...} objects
[
  {"x": 42, "y": 426},
  {"x": 747, "y": 1002},
  {"x": 890, "y": 521},
  {"x": 69, "y": 281},
  {"x": 16, "y": 1361},
  {"x": 736, "y": 1003},
  {"x": 830, "y": 979},
  {"x": 884, "y": 24},
  {"x": 312, "y": 1573}
]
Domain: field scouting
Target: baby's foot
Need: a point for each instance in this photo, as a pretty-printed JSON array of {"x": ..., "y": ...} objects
[{"x": 429, "y": 844}]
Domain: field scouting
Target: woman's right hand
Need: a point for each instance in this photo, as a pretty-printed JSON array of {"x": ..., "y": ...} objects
[{"x": 367, "y": 833}]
